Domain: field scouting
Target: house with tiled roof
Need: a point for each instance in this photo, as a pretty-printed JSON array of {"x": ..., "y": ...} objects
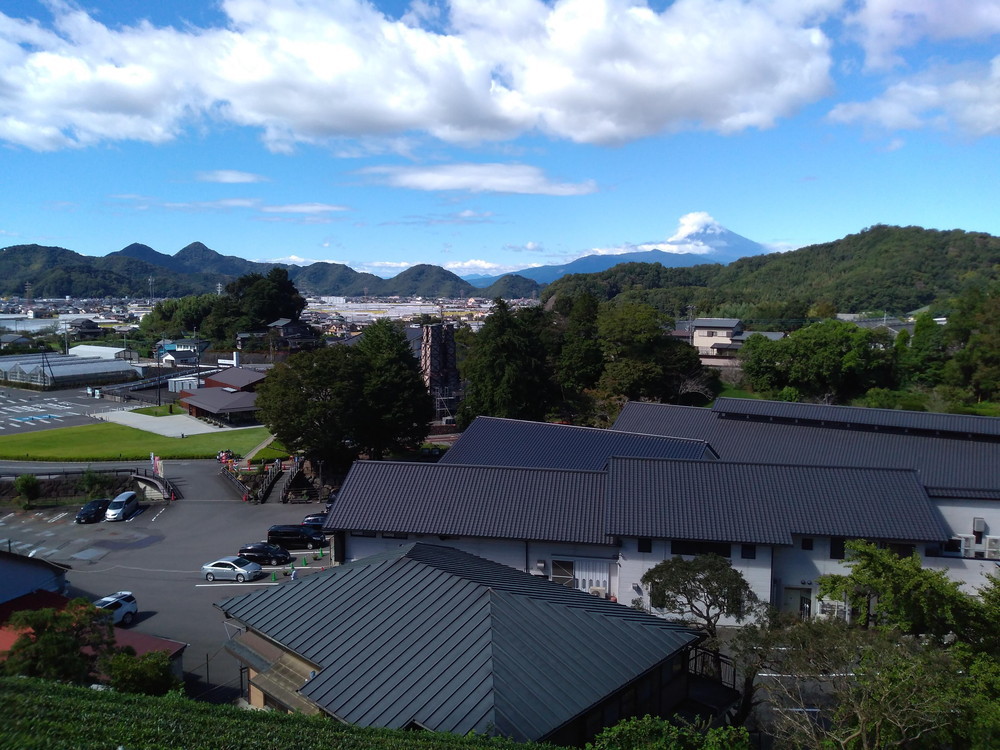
[
  {"x": 428, "y": 637},
  {"x": 781, "y": 526},
  {"x": 955, "y": 457}
]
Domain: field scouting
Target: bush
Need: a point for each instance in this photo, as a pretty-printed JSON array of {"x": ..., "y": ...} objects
[{"x": 28, "y": 488}]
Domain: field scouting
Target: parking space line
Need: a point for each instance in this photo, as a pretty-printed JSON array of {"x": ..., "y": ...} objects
[
  {"x": 234, "y": 583},
  {"x": 57, "y": 517}
]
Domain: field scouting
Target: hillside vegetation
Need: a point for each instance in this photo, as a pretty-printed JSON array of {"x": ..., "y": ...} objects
[
  {"x": 40, "y": 715},
  {"x": 897, "y": 269}
]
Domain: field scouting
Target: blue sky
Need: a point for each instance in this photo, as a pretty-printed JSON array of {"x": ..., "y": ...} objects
[{"x": 487, "y": 137}]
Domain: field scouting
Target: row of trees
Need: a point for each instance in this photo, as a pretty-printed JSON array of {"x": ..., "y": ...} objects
[
  {"x": 579, "y": 360},
  {"x": 942, "y": 366},
  {"x": 918, "y": 666}
]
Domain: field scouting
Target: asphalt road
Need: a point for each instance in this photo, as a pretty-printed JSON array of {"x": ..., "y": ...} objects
[{"x": 157, "y": 554}]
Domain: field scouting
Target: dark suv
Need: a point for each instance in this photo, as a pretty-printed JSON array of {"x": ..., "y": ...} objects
[
  {"x": 265, "y": 554},
  {"x": 315, "y": 521},
  {"x": 295, "y": 537}
]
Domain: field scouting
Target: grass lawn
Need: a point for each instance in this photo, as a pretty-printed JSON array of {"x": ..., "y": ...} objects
[
  {"x": 114, "y": 442},
  {"x": 731, "y": 392}
]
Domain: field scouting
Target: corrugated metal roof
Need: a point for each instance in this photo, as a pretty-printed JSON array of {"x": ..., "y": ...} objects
[
  {"x": 766, "y": 503},
  {"x": 859, "y": 417},
  {"x": 492, "y": 441},
  {"x": 456, "y": 643},
  {"x": 218, "y": 400},
  {"x": 479, "y": 501},
  {"x": 940, "y": 461}
]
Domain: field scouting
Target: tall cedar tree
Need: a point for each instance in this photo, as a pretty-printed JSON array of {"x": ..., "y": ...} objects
[
  {"x": 506, "y": 372},
  {"x": 397, "y": 406}
]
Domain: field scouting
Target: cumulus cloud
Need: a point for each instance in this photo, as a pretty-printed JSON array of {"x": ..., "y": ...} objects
[
  {"x": 478, "y": 178},
  {"x": 229, "y": 176},
  {"x": 304, "y": 71},
  {"x": 885, "y": 27},
  {"x": 944, "y": 97}
]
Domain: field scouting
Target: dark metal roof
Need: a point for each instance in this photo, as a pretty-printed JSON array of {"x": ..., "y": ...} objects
[
  {"x": 491, "y": 441},
  {"x": 716, "y": 322},
  {"x": 940, "y": 461},
  {"x": 222, "y": 400},
  {"x": 480, "y": 501},
  {"x": 456, "y": 643},
  {"x": 237, "y": 377},
  {"x": 766, "y": 503},
  {"x": 859, "y": 417}
]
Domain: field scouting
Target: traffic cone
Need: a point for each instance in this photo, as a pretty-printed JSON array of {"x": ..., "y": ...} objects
[
  {"x": 304, "y": 562},
  {"x": 274, "y": 575}
]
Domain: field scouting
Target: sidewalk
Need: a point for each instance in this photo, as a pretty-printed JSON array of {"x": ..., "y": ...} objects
[{"x": 177, "y": 425}]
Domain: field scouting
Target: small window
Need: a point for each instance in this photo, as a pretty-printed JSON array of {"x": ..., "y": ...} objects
[
  {"x": 363, "y": 533},
  {"x": 393, "y": 535},
  {"x": 837, "y": 551},
  {"x": 978, "y": 535},
  {"x": 807, "y": 543},
  {"x": 645, "y": 544},
  {"x": 748, "y": 551}
]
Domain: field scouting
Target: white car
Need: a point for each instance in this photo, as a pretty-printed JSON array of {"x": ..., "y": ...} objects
[
  {"x": 122, "y": 606},
  {"x": 122, "y": 507}
]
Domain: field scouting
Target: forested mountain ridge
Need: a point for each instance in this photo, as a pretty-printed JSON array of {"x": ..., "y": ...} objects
[
  {"x": 881, "y": 268},
  {"x": 55, "y": 272},
  {"x": 897, "y": 269}
]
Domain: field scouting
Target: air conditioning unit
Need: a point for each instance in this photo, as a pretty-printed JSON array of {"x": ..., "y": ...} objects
[{"x": 598, "y": 591}]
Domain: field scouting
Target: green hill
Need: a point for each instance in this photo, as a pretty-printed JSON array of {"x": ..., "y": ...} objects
[{"x": 897, "y": 269}]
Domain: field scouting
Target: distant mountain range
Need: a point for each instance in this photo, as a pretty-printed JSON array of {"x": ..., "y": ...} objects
[
  {"x": 707, "y": 242},
  {"x": 140, "y": 271}
]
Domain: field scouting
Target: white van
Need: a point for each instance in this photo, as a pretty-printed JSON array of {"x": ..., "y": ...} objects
[{"x": 122, "y": 507}]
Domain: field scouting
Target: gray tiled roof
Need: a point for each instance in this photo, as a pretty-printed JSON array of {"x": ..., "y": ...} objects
[
  {"x": 716, "y": 322},
  {"x": 766, "y": 504},
  {"x": 455, "y": 643},
  {"x": 859, "y": 417},
  {"x": 942, "y": 462},
  {"x": 478, "y": 501},
  {"x": 491, "y": 441}
]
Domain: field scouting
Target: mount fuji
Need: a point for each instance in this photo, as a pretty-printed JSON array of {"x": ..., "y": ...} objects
[{"x": 699, "y": 239}]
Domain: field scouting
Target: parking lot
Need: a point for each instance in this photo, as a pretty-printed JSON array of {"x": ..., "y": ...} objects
[{"x": 157, "y": 554}]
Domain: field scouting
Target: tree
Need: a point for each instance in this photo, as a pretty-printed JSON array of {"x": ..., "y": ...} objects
[
  {"x": 149, "y": 674},
  {"x": 397, "y": 407},
  {"x": 313, "y": 403},
  {"x": 705, "y": 588},
  {"x": 840, "y": 687},
  {"x": 898, "y": 592},
  {"x": 652, "y": 733},
  {"x": 506, "y": 371},
  {"x": 63, "y": 645},
  {"x": 28, "y": 488},
  {"x": 340, "y": 401},
  {"x": 831, "y": 360},
  {"x": 95, "y": 484}
]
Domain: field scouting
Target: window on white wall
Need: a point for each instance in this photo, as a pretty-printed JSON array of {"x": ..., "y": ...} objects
[{"x": 562, "y": 573}]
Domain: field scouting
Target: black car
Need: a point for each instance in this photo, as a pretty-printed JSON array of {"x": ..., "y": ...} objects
[
  {"x": 93, "y": 511},
  {"x": 315, "y": 521},
  {"x": 265, "y": 554},
  {"x": 295, "y": 537}
]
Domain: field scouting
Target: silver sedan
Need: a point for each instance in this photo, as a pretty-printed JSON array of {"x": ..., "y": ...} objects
[{"x": 232, "y": 568}]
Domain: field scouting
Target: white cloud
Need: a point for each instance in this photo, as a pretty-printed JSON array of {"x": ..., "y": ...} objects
[
  {"x": 292, "y": 260},
  {"x": 695, "y": 222},
  {"x": 887, "y": 26},
  {"x": 484, "y": 267},
  {"x": 303, "y": 208},
  {"x": 946, "y": 97},
  {"x": 304, "y": 71},
  {"x": 229, "y": 176},
  {"x": 479, "y": 178}
]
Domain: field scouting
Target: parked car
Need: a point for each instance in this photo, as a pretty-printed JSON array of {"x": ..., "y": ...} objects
[
  {"x": 122, "y": 606},
  {"x": 122, "y": 507},
  {"x": 93, "y": 511},
  {"x": 295, "y": 537},
  {"x": 315, "y": 521},
  {"x": 265, "y": 554},
  {"x": 232, "y": 568}
]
